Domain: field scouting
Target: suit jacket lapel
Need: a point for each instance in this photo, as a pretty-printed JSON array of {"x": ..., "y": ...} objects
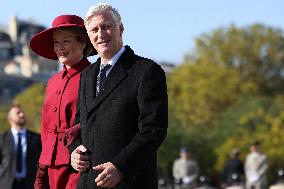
[
  {"x": 29, "y": 150},
  {"x": 115, "y": 77},
  {"x": 10, "y": 141},
  {"x": 91, "y": 82}
]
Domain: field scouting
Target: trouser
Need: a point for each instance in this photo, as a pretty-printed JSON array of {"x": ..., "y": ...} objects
[
  {"x": 257, "y": 185},
  {"x": 19, "y": 184}
]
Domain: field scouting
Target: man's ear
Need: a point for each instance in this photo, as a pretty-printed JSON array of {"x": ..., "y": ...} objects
[{"x": 121, "y": 29}]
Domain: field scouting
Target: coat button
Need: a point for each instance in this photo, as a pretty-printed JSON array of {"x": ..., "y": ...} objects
[{"x": 54, "y": 109}]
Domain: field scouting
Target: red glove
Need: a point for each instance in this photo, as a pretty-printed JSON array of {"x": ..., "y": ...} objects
[
  {"x": 41, "y": 181},
  {"x": 71, "y": 134}
]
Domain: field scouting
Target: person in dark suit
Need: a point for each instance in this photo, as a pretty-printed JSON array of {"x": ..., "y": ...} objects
[
  {"x": 19, "y": 153},
  {"x": 122, "y": 110},
  {"x": 233, "y": 172}
]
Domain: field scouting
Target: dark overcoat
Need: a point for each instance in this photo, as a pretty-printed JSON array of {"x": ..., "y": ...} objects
[
  {"x": 126, "y": 122},
  {"x": 7, "y": 158}
]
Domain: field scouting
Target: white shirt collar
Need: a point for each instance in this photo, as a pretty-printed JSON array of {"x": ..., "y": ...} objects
[
  {"x": 115, "y": 58},
  {"x": 23, "y": 131}
]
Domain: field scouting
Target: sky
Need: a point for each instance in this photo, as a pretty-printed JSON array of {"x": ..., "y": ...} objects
[{"x": 162, "y": 30}]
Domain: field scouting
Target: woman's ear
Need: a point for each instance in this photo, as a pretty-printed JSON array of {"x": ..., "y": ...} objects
[{"x": 83, "y": 45}]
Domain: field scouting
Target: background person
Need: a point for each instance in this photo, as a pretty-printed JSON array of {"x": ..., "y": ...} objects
[
  {"x": 233, "y": 172},
  {"x": 19, "y": 153},
  {"x": 256, "y": 166},
  {"x": 185, "y": 170}
]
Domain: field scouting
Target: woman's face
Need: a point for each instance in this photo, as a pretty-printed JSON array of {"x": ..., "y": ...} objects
[{"x": 67, "y": 47}]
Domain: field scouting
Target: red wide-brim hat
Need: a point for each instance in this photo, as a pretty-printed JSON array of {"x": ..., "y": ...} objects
[{"x": 42, "y": 42}]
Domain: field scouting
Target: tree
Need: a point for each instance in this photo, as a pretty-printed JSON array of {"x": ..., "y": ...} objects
[
  {"x": 199, "y": 93},
  {"x": 223, "y": 95},
  {"x": 230, "y": 120},
  {"x": 3, "y": 118},
  {"x": 170, "y": 147},
  {"x": 197, "y": 142},
  {"x": 261, "y": 118},
  {"x": 257, "y": 51}
]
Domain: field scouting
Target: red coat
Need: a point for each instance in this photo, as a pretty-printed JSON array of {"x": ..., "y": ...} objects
[{"x": 58, "y": 113}]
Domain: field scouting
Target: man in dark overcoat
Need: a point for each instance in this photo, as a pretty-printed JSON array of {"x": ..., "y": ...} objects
[{"x": 122, "y": 109}]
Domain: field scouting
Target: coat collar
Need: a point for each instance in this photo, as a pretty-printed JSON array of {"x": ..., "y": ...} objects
[
  {"x": 115, "y": 77},
  {"x": 77, "y": 68},
  {"x": 91, "y": 83}
]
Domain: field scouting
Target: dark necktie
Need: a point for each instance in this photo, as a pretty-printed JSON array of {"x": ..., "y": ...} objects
[
  {"x": 101, "y": 77},
  {"x": 19, "y": 162}
]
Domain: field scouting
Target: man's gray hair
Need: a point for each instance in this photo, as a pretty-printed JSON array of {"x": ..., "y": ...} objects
[{"x": 102, "y": 7}]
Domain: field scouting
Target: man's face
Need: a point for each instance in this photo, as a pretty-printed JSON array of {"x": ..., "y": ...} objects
[
  {"x": 184, "y": 155},
  {"x": 105, "y": 35},
  {"x": 254, "y": 148},
  {"x": 17, "y": 117}
]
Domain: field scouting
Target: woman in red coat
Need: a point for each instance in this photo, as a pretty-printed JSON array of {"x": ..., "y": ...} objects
[{"x": 68, "y": 42}]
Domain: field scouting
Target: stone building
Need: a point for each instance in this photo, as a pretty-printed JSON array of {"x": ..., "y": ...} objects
[{"x": 19, "y": 66}]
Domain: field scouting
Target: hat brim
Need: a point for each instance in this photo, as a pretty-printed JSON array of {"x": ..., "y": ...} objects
[{"x": 42, "y": 43}]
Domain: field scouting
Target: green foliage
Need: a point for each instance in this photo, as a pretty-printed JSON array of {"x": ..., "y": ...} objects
[
  {"x": 170, "y": 148},
  {"x": 197, "y": 142},
  {"x": 200, "y": 144},
  {"x": 260, "y": 119},
  {"x": 243, "y": 108},
  {"x": 31, "y": 101},
  {"x": 199, "y": 93},
  {"x": 257, "y": 51},
  {"x": 3, "y": 118},
  {"x": 226, "y": 94}
]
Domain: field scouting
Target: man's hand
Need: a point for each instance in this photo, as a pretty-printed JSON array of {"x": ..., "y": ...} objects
[
  {"x": 79, "y": 161},
  {"x": 109, "y": 177}
]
